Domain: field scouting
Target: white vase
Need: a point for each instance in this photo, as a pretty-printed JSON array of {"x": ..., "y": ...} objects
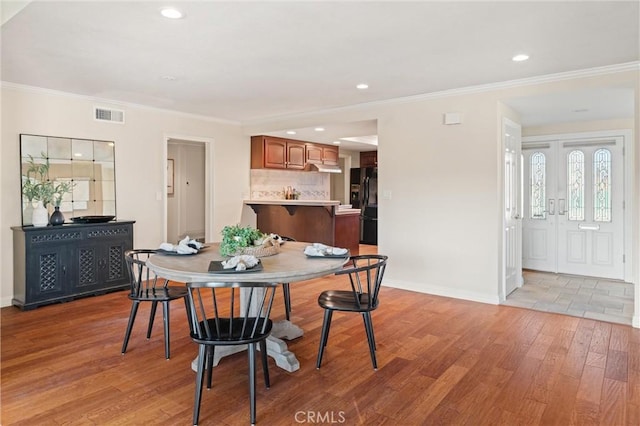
[
  {"x": 27, "y": 213},
  {"x": 40, "y": 215}
]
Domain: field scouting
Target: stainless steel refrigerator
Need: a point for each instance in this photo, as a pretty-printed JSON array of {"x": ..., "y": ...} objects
[{"x": 364, "y": 196}]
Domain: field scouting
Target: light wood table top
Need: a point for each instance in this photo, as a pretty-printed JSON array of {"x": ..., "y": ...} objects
[{"x": 290, "y": 265}]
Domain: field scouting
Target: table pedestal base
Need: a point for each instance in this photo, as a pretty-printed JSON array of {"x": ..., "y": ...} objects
[{"x": 276, "y": 347}]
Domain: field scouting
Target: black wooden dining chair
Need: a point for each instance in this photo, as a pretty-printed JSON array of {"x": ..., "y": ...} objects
[
  {"x": 365, "y": 275},
  {"x": 147, "y": 287},
  {"x": 224, "y": 314}
]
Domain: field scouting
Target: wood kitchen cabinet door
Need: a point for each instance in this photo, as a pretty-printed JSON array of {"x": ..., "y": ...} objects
[
  {"x": 296, "y": 155},
  {"x": 330, "y": 155},
  {"x": 369, "y": 159},
  {"x": 314, "y": 153},
  {"x": 275, "y": 153}
]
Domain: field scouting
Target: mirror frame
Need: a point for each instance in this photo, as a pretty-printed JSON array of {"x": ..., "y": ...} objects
[{"x": 91, "y": 159}]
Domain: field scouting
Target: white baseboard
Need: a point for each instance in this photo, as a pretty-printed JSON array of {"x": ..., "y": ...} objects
[
  {"x": 636, "y": 321},
  {"x": 444, "y": 291},
  {"x": 5, "y": 301}
]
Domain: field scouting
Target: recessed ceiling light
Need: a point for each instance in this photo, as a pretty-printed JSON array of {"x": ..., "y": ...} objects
[
  {"x": 291, "y": 132},
  {"x": 362, "y": 86},
  {"x": 168, "y": 77},
  {"x": 319, "y": 129},
  {"x": 581, "y": 110},
  {"x": 336, "y": 142},
  {"x": 171, "y": 13},
  {"x": 520, "y": 58}
]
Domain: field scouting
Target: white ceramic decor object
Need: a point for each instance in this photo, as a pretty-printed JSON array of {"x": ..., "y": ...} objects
[{"x": 40, "y": 215}]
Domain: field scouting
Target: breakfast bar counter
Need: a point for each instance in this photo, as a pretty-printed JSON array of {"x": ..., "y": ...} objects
[{"x": 318, "y": 221}]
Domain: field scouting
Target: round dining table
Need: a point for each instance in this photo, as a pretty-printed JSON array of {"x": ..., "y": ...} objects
[{"x": 288, "y": 266}]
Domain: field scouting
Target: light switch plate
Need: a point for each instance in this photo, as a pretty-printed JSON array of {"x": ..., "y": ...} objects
[{"x": 386, "y": 194}]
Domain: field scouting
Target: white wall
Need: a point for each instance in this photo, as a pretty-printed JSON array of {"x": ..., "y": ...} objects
[{"x": 140, "y": 162}]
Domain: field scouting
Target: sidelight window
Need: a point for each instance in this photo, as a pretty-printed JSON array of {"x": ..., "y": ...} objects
[
  {"x": 537, "y": 182},
  {"x": 602, "y": 185},
  {"x": 575, "y": 185}
]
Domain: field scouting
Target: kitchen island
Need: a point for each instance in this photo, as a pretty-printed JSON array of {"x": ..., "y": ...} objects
[{"x": 317, "y": 221}]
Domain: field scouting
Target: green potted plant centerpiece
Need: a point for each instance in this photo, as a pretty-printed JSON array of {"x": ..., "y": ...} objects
[{"x": 238, "y": 240}]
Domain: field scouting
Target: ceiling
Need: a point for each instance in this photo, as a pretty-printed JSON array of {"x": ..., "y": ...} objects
[{"x": 250, "y": 62}]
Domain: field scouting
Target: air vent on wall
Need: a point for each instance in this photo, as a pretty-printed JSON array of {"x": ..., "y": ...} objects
[{"x": 107, "y": 114}]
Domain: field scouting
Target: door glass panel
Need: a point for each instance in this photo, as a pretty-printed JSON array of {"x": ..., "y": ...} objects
[
  {"x": 538, "y": 184},
  {"x": 602, "y": 185},
  {"x": 575, "y": 185}
]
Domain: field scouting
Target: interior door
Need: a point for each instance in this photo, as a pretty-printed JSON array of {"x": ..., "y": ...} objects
[
  {"x": 574, "y": 206},
  {"x": 512, "y": 207}
]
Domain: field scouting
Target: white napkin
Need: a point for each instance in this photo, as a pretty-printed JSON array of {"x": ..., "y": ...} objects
[
  {"x": 185, "y": 249},
  {"x": 186, "y": 241},
  {"x": 319, "y": 249},
  {"x": 241, "y": 262},
  {"x": 185, "y": 246}
]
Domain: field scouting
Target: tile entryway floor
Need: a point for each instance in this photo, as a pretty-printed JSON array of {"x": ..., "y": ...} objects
[{"x": 586, "y": 297}]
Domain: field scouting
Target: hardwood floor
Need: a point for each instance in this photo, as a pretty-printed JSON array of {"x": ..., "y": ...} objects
[{"x": 441, "y": 361}]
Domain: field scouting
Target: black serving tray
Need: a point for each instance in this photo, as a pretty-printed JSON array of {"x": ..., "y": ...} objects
[
  {"x": 92, "y": 219},
  {"x": 216, "y": 267}
]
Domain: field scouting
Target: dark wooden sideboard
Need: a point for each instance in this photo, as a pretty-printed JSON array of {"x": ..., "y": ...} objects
[{"x": 60, "y": 263}]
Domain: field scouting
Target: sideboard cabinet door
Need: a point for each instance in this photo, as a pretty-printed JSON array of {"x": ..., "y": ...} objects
[
  {"x": 47, "y": 272},
  {"x": 100, "y": 261}
]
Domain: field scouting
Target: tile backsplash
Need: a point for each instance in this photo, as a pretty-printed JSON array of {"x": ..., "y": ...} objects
[{"x": 269, "y": 184}]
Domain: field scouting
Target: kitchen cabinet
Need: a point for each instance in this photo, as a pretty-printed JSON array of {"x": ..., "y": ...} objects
[
  {"x": 369, "y": 159},
  {"x": 322, "y": 154},
  {"x": 55, "y": 264},
  {"x": 277, "y": 153},
  {"x": 268, "y": 152}
]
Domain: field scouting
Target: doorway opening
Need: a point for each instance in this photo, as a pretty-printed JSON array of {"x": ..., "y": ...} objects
[
  {"x": 187, "y": 202},
  {"x": 576, "y": 229}
]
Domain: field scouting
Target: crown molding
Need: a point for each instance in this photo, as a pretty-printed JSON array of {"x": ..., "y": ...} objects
[
  {"x": 111, "y": 102},
  {"x": 549, "y": 78}
]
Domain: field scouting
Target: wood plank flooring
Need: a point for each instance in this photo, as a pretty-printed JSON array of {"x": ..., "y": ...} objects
[{"x": 441, "y": 361}]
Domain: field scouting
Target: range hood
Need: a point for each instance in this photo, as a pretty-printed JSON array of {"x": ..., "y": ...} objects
[{"x": 325, "y": 168}]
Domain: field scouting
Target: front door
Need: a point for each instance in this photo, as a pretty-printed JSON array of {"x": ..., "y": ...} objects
[
  {"x": 539, "y": 242},
  {"x": 574, "y": 199}
]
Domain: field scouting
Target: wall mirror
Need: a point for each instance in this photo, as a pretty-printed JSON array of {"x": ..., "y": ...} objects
[{"x": 88, "y": 164}]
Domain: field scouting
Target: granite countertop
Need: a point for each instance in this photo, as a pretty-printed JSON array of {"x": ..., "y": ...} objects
[
  {"x": 347, "y": 211},
  {"x": 322, "y": 203}
]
